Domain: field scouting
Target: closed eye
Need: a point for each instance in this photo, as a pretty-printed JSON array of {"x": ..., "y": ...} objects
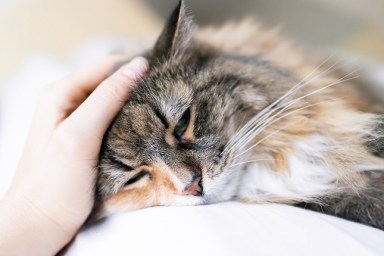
[
  {"x": 192, "y": 146},
  {"x": 137, "y": 177},
  {"x": 182, "y": 124},
  {"x": 163, "y": 120},
  {"x": 218, "y": 157},
  {"x": 120, "y": 164}
]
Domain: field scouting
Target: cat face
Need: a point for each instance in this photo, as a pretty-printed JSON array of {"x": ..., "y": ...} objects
[
  {"x": 169, "y": 139},
  {"x": 170, "y": 143}
]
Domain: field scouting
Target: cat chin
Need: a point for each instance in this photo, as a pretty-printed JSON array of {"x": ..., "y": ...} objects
[
  {"x": 186, "y": 201},
  {"x": 109, "y": 209}
]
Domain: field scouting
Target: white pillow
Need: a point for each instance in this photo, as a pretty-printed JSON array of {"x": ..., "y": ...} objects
[{"x": 227, "y": 229}]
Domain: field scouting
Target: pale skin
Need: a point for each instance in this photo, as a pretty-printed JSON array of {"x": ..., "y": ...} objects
[{"x": 52, "y": 193}]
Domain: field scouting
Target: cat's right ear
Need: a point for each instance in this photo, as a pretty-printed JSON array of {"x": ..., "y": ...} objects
[{"x": 175, "y": 36}]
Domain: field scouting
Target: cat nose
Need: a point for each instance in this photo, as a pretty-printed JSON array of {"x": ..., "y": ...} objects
[{"x": 195, "y": 188}]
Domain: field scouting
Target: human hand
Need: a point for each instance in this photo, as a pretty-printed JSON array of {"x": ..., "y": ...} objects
[{"x": 52, "y": 193}]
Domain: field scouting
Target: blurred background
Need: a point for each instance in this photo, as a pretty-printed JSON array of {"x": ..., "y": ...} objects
[{"x": 61, "y": 28}]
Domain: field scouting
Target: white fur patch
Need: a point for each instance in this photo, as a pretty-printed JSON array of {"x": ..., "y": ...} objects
[
  {"x": 223, "y": 187},
  {"x": 308, "y": 176},
  {"x": 186, "y": 200}
]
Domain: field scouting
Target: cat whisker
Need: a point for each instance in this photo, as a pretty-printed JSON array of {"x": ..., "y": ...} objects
[
  {"x": 270, "y": 120},
  {"x": 265, "y": 113},
  {"x": 257, "y": 129},
  {"x": 260, "y": 141},
  {"x": 275, "y": 132},
  {"x": 250, "y": 161},
  {"x": 339, "y": 81},
  {"x": 289, "y": 104},
  {"x": 305, "y": 82}
]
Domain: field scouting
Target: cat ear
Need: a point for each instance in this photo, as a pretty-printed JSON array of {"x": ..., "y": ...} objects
[{"x": 175, "y": 36}]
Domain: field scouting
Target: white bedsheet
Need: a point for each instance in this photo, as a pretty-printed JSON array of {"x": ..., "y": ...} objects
[
  {"x": 227, "y": 229},
  {"x": 223, "y": 229}
]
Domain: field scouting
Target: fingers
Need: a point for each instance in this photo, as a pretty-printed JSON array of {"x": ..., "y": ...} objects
[
  {"x": 96, "y": 113},
  {"x": 58, "y": 100},
  {"x": 89, "y": 78}
]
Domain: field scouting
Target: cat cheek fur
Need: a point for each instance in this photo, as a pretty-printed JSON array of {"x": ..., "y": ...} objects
[{"x": 160, "y": 187}]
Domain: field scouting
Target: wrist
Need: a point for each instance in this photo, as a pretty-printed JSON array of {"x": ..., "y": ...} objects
[{"x": 27, "y": 229}]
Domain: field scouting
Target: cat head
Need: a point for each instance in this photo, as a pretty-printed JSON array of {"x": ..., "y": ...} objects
[{"x": 173, "y": 140}]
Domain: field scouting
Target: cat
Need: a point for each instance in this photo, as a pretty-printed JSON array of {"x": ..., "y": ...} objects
[{"x": 240, "y": 113}]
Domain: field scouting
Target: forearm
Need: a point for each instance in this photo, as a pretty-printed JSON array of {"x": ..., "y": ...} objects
[{"x": 26, "y": 230}]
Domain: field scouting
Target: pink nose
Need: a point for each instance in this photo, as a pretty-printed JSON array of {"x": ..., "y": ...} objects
[{"x": 193, "y": 189}]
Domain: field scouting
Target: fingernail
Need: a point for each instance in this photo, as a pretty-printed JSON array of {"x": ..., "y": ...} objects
[{"x": 135, "y": 68}]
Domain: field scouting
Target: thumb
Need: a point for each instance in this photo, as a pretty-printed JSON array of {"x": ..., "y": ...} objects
[{"x": 97, "y": 112}]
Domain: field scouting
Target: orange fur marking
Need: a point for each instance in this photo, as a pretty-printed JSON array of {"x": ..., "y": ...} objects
[{"x": 158, "y": 191}]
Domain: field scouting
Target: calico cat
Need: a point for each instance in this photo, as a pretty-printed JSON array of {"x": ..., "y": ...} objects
[{"x": 241, "y": 113}]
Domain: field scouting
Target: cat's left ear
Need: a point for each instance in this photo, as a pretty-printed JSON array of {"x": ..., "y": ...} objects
[{"x": 175, "y": 36}]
